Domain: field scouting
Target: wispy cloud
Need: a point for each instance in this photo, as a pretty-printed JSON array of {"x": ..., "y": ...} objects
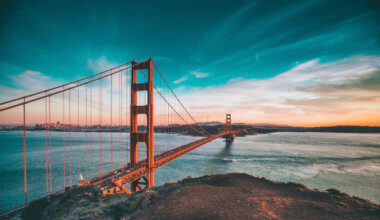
[
  {"x": 182, "y": 79},
  {"x": 199, "y": 74},
  {"x": 31, "y": 81},
  {"x": 26, "y": 82},
  {"x": 100, "y": 64},
  {"x": 193, "y": 74},
  {"x": 368, "y": 80},
  {"x": 312, "y": 93},
  {"x": 308, "y": 94}
]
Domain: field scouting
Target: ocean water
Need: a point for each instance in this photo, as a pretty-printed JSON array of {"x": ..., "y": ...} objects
[{"x": 348, "y": 162}]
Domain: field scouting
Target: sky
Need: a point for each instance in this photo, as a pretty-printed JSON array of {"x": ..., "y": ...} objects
[{"x": 302, "y": 63}]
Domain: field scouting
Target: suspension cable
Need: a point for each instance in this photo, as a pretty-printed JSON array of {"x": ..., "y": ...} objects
[
  {"x": 179, "y": 100},
  {"x": 158, "y": 91},
  {"x": 67, "y": 89},
  {"x": 79, "y": 80}
]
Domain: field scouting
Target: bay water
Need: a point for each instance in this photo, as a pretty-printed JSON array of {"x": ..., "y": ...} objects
[{"x": 348, "y": 162}]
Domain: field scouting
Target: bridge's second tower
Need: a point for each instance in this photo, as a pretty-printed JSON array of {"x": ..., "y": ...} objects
[
  {"x": 229, "y": 137},
  {"x": 135, "y": 136}
]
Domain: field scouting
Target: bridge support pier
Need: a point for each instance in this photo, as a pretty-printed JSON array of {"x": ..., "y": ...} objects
[
  {"x": 135, "y": 136},
  {"x": 230, "y": 138}
]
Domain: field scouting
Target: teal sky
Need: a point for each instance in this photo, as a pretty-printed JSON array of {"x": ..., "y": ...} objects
[{"x": 197, "y": 44}]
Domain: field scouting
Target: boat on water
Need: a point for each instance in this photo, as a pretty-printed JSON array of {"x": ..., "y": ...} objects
[{"x": 227, "y": 160}]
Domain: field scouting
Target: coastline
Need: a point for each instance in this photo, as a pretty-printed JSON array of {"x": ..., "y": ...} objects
[{"x": 240, "y": 129}]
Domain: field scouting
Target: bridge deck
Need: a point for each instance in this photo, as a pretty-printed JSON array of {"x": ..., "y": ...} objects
[{"x": 129, "y": 174}]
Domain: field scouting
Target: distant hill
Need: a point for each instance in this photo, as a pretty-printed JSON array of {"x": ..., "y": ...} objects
[{"x": 241, "y": 129}]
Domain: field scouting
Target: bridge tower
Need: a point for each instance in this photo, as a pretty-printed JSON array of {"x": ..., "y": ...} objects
[
  {"x": 137, "y": 137},
  {"x": 229, "y": 137}
]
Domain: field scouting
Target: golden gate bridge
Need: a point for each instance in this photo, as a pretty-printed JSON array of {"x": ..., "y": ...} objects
[{"x": 103, "y": 104}]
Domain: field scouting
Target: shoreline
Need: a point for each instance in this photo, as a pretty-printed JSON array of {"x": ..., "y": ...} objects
[{"x": 239, "y": 131}]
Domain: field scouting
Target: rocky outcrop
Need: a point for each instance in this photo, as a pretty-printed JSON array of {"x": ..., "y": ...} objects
[{"x": 227, "y": 196}]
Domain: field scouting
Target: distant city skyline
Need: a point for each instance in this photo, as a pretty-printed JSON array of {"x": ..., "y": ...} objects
[{"x": 300, "y": 63}]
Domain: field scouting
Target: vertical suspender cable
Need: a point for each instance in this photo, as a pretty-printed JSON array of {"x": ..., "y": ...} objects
[
  {"x": 128, "y": 95},
  {"x": 100, "y": 127},
  {"x": 91, "y": 132},
  {"x": 120, "y": 119},
  {"x": 71, "y": 178},
  {"x": 167, "y": 122},
  {"x": 64, "y": 128},
  {"x": 86, "y": 139},
  {"x": 25, "y": 178},
  {"x": 111, "y": 127},
  {"x": 78, "y": 132},
  {"x": 50, "y": 145},
  {"x": 46, "y": 148}
]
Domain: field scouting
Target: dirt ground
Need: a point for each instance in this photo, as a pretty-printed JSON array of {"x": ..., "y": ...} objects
[
  {"x": 240, "y": 196},
  {"x": 227, "y": 196}
]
